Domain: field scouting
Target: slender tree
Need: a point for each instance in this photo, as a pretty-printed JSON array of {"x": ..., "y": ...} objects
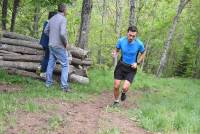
[
  {"x": 149, "y": 37},
  {"x": 132, "y": 13},
  {"x": 4, "y": 13},
  {"x": 14, "y": 14},
  {"x": 118, "y": 19},
  {"x": 167, "y": 43},
  {"x": 85, "y": 22},
  {"x": 36, "y": 17},
  {"x": 102, "y": 31}
]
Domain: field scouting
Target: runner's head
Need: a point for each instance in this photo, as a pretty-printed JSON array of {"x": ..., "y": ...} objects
[{"x": 131, "y": 33}]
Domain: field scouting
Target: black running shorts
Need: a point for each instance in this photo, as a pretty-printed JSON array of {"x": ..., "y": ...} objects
[{"x": 124, "y": 71}]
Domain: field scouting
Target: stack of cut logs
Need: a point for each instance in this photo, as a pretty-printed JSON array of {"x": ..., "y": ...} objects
[{"x": 20, "y": 54}]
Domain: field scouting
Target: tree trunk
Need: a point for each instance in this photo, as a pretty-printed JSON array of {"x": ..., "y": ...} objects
[
  {"x": 167, "y": 43},
  {"x": 14, "y": 14},
  {"x": 85, "y": 22},
  {"x": 99, "y": 56},
  {"x": 36, "y": 17},
  {"x": 119, "y": 6},
  {"x": 132, "y": 13},
  {"x": 146, "y": 50},
  {"x": 4, "y": 14},
  {"x": 198, "y": 41},
  {"x": 118, "y": 17},
  {"x": 140, "y": 6}
]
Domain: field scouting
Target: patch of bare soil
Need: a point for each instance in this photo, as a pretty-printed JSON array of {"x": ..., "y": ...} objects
[
  {"x": 5, "y": 87},
  {"x": 61, "y": 117}
]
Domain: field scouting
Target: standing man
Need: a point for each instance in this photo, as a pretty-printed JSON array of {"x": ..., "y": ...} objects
[
  {"x": 126, "y": 68},
  {"x": 57, "y": 31}
]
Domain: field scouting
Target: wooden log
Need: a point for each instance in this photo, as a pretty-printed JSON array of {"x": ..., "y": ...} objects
[
  {"x": 24, "y": 58},
  {"x": 76, "y": 61},
  {"x": 16, "y": 71},
  {"x": 87, "y": 62},
  {"x": 20, "y": 65},
  {"x": 78, "y": 78},
  {"x": 18, "y": 42},
  {"x": 21, "y": 49},
  {"x": 14, "y": 35},
  {"x": 77, "y": 52},
  {"x": 4, "y": 52},
  {"x": 81, "y": 72},
  {"x": 72, "y": 77},
  {"x": 58, "y": 69},
  {"x": 31, "y": 66}
]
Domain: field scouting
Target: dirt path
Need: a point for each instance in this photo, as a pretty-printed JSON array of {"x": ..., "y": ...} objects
[
  {"x": 5, "y": 87},
  {"x": 61, "y": 117}
]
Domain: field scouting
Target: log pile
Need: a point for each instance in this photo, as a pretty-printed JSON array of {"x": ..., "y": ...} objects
[{"x": 20, "y": 54}]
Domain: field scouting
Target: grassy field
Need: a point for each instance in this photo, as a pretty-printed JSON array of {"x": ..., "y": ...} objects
[{"x": 168, "y": 105}]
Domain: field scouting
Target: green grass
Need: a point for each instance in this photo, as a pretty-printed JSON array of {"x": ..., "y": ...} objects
[
  {"x": 55, "y": 122},
  {"x": 110, "y": 131},
  {"x": 167, "y": 105}
]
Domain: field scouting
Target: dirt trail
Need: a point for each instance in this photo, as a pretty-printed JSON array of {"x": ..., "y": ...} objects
[
  {"x": 63, "y": 117},
  {"x": 5, "y": 87}
]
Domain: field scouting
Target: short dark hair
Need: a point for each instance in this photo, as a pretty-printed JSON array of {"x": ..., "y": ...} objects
[
  {"x": 51, "y": 14},
  {"x": 132, "y": 29},
  {"x": 62, "y": 7}
]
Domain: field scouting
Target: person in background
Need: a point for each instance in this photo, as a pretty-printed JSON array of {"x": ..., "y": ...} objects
[
  {"x": 130, "y": 46},
  {"x": 44, "y": 41},
  {"x": 57, "y": 31}
]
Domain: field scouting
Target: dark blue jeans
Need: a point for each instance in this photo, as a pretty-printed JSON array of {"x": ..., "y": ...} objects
[{"x": 45, "y": 59}]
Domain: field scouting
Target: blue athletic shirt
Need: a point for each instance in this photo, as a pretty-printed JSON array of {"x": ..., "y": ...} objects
[{"x": 130, "y": 50}]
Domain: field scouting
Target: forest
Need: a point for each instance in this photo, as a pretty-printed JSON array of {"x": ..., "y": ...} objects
[
  {"x": 169, "y": 29},
  {"x": 165, "y": 94}
]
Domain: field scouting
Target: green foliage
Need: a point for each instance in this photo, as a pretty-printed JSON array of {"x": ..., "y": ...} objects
[
  {"x": 153, "y": 19},
  {"x": 184, "y": 67}
]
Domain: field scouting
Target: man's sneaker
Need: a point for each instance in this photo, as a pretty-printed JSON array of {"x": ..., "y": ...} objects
[
  {"x": 123, "y": 96},
  {"x": 43, "y": 75},
  {"x": 38, "y": 70},
  {"x": 67, "y": 90},
  {"x": 115, "y": 104}
]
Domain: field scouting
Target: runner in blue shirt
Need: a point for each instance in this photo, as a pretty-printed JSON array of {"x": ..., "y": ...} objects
[{"x": 130, "y": 46}]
